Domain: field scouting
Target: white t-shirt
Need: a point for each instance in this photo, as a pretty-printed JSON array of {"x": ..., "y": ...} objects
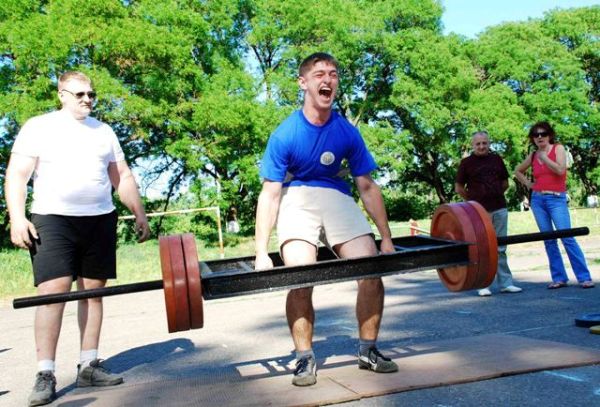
[{"x": 71, "y": 174}]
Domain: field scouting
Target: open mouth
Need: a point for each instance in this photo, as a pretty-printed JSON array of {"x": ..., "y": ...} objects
[{"x": 325, "y": 91}]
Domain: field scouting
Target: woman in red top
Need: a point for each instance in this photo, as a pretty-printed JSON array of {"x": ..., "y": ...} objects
[{"x": 549, "y": 202}]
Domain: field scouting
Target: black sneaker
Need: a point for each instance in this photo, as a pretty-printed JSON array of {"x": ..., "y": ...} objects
[
  {"x": 44, "y": 389},
  {"x": 305, "y": 373},
  {"x": 376, "y": 362},
  {"x": 96, "y": 375}
]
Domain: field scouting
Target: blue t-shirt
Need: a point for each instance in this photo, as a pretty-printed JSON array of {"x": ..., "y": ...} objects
[{"x": 313, "y": 155}]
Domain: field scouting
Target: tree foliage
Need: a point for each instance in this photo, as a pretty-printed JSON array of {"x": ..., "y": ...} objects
[{"x": 196, "y": 87}]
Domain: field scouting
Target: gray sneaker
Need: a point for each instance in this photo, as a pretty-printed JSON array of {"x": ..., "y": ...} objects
[
  {"x": 376, "y": 362},
  {"x": 96, "y": 375},
  {"x": 305, "y": 373},
  {"x": 44, "y": 389}
]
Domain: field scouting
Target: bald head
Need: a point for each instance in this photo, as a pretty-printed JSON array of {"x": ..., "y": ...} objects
[{"x": 480, "y": 141}]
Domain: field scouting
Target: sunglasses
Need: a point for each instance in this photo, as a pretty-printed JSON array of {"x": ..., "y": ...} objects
[
  {"x": 541, "y": 134},
  {"x": 80, "y": 95}
]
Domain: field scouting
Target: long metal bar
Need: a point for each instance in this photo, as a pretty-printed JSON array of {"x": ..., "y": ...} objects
[
  {"x": 226, "y": 277},
  {"x": 434, "y": 253},
  {"x": 84, "y": 294},
  {"x": 220, "y": 279},
  {"x": 536, "y": 237}
]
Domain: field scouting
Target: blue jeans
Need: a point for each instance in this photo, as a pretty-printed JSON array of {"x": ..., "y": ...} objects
[
  {"x": 550, "y": 210},
  {"x": 503, "y": 275}
]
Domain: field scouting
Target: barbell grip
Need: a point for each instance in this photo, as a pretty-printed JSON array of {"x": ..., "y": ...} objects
[
  {"x": 158, "y": 284},
  {"x": 85, "y": 294},
  {"x": 535, "y": 237}
]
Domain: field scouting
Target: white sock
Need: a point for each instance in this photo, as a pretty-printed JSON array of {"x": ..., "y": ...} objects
[
  {"x": 46, "y": 364},
  {"x": 86, "y": 356}
]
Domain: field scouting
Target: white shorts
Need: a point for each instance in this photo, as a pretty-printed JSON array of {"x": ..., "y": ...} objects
[{"x": 316, "y": 214}]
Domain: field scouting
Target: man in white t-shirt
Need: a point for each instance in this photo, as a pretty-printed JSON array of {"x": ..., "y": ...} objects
[{"x": 75, "y": 161}]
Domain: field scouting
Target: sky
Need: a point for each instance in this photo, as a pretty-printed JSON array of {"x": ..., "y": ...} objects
[{"x": 470, "y": 17}]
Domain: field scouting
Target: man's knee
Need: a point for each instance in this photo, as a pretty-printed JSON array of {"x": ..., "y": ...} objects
[
  {"x": 54, "y": 286},
  {"x": 301, "y": 294},
  {"x": 84, "y": 283},
  {"x": 371, "y": 284}
]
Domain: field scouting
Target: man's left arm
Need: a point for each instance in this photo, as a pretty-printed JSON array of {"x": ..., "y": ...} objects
[
  {"x": 124, "y": 183},
  {"x": 370, "y": 195}
]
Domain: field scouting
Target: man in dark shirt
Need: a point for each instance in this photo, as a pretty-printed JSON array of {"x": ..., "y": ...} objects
[{"x": 482, "y": 177}]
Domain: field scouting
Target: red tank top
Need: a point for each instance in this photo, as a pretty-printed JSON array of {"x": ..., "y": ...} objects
[{"x": 544, "y": 178}]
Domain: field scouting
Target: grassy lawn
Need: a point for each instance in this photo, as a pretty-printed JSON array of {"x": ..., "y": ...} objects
[{"x": 141, "y": 262}]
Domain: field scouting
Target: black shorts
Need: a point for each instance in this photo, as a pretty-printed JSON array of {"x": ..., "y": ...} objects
[{"x": 76, "y": 246}]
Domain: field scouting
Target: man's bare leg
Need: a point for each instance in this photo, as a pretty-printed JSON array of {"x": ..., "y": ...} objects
[
  {"x": 300, "y": 313},
  {"x": 369, "y": 307},
  {"x": 91, "y": 372},
  {"x": 48, "y": 318},
  {"x": 369, "y": 300},
  {"x": 47, "y": 326},
  {"x": 89, "y": 316},
  {"x": 299, "y": 308}
]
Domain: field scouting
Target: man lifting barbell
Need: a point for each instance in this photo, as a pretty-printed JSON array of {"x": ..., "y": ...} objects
[{"x": 312, "y": 204}]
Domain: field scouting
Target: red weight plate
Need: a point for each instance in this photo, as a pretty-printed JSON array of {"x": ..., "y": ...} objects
[
  {"x": 487, "y": 242},
  {"x": 479, "y": 264},
  {"x": 194, "y": 281},
  {"x": 450, "y": 221},
  {"x": 182, "y": 314},
  {"x": 165, "y": 265}
]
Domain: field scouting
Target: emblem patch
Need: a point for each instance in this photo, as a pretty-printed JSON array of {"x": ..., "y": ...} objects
[{"x": 327, "y": 158}]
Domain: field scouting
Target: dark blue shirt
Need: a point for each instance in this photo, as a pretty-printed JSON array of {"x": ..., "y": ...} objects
[{"x": 313, "y": 155}]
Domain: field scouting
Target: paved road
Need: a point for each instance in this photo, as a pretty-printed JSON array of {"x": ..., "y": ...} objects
[{"x": 250, "y": 331}]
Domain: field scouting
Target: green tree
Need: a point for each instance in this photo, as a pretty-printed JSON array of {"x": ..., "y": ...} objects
[
  {"x": 548, "y": 80},
  {"x": 430, "y": 94},
  {"x": 167, "y": 73},
  {"x": 578, "y": 31}
]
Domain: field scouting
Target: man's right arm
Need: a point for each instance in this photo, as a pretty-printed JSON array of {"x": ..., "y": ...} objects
[
  {"x": 461, "y": 180},
  {"x": 460, "y": 190},
  {"x": 18, "y": 173},
  {"x": 266, "y": 215}
]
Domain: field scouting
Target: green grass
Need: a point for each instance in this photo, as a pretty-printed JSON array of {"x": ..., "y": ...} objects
[
  {"x": 16, "y": 275},
  {"x": 141, "y": 262}
]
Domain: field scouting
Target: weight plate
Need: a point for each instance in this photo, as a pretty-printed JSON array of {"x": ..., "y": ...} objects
[
  {"x": 194, "y": 280},
  {"x": 179, "y": 283},
  {"x": 165, "y": 266},
  {"x": 450, "y": 221},
  {"x": 487, "y": 244},
  {"x": 587, "y": 320}
]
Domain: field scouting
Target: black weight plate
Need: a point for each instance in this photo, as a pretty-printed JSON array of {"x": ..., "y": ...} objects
[{"x": 588, "y": 320}]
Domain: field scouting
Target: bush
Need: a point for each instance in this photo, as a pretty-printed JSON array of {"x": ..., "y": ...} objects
[{"x": 403, "y": 206}]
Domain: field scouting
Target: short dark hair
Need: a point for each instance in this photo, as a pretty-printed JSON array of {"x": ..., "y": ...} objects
[
  {"x": 313, "y": 59},
  {"x": 546, "y": 127}
]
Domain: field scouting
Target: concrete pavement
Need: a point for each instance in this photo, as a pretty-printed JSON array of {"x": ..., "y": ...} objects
[{"x": 250, "y": 334}]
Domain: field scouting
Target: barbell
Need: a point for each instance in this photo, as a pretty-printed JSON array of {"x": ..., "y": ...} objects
[{"x": 462, "y": 246}]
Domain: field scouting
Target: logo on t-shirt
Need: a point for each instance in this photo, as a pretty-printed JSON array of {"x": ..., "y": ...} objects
[{"x": 327, "y": 158}]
